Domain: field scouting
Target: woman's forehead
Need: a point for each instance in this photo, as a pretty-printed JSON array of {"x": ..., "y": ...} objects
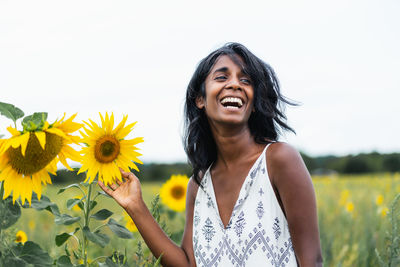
[{"x": 228, "y": 60}]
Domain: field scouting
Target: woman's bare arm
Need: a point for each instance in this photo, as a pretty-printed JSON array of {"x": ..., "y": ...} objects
[
  {"x": 129, "y": 196},
  {"x": 295, "y": 190},
  {"x": 187, "y": 240}
]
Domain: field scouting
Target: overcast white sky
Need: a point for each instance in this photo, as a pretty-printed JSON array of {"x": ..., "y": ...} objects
[{"x": 340, "y": 59}]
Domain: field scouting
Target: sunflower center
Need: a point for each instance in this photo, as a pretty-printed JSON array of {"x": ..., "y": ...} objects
[
  {"x": 35, "y": 157},
  {"x": 106, "y": 149},
  {"x": 177, "y": 192},
  {"x": 18, "y": 239}
]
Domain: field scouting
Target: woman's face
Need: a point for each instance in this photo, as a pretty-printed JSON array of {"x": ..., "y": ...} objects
[{"x": 229, "y": 94}]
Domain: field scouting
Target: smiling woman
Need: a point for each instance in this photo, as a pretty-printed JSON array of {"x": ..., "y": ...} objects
[{"x": 250, "y": 201}]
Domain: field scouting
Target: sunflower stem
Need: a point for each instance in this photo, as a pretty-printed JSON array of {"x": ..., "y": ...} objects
[
  {"x": 86, "y": 223},
  {"x": 1, "y": 191}
]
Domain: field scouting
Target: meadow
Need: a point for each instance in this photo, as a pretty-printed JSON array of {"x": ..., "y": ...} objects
[{"x": 353, "y": 219}]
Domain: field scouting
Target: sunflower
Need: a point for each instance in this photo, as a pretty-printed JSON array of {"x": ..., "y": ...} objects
[
  {"x": 28, "y": 156},
  {"x": 173, "y": 192},
  {"x": 21, "y": 237},
  {"x": 130, "y": 225},
  {"x": 107, "y": 150}
]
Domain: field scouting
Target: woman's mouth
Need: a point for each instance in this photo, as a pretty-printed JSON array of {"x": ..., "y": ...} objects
[{"x": 232, "y": 102}]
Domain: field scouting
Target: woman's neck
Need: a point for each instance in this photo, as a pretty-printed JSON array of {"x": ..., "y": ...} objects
[{"x": 233, "y": 145}]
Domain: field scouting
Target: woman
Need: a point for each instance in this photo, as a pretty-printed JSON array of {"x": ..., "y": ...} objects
[{"x": 250, "y": 200}]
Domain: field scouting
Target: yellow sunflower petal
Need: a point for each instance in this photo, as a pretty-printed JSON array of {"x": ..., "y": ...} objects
[
  {"x": 24, "y": 142},
  {"x": 41, "y": 136},
  {"x": 125, "y": 131},
  {"x": 14, "y": 132}
]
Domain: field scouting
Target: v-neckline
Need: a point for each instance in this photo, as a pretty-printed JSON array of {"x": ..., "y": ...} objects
[{"x": 214, "y": 197}]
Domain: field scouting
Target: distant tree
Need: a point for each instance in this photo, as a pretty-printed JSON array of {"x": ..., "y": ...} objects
[
  {"x": 356, "y": 164},
  {"x": 391, "y": 162},
  {"x": 309, "y": 161}
]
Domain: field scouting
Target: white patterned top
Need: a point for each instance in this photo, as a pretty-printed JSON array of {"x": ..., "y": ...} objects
[{"x": 257, "y": 233}]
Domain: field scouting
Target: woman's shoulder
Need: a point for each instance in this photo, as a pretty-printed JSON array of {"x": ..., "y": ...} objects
[
  {"x": 193, "y": 187},
  {"x": 285, "y": 164},
  {"x": 282, "y": 153}
]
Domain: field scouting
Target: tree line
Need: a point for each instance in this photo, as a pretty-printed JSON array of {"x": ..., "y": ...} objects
[
  {"x": 353, "y": 164},
  {"x": 350, "y": 164}
]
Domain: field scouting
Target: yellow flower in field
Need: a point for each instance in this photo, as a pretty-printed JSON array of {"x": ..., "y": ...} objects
[
  {"x": 379, "y": 200},
  {"x": 28, "y": 156},
  {"x": 384, "y": 212},
  {"x": 350, "y": 207},
  {"x": 21, "y": 237},
  {"x": 107, "y": 150},
  {"x": 130, "y": 225},
  {"x": 173, "y": 192}
]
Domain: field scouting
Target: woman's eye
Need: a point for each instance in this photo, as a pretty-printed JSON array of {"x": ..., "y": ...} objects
[
  {"x": 246, "y": 81},
  {"x": 220, "y": 78}
]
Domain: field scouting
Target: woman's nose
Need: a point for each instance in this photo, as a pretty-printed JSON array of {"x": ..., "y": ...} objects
[{"x": 234, "y": 83}]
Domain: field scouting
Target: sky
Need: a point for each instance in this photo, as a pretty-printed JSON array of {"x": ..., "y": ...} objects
[{"x": 339, "y": 59}]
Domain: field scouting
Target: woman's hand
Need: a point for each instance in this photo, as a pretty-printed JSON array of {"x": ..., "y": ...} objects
[
  {"x": 127, "y": 193},
  {"x": 129, "y": 196}
]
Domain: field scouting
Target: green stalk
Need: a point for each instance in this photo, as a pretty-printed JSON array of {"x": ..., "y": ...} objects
[
  {"x": 86, "y": 223},
  {"x": 1, "y": 191},
  {"x": 1, "y": 199}
]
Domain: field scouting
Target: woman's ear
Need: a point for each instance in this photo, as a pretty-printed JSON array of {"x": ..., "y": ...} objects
[{"x": 200, "y": 102}]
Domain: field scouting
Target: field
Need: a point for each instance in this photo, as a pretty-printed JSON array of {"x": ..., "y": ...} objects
[{"x": 352, "y": 210}]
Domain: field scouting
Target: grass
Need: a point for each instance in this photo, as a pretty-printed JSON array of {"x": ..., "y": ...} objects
[{"x": 352, "y": 212}]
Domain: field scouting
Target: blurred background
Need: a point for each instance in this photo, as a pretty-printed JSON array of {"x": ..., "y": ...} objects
[{"x": 340, "y": 60}]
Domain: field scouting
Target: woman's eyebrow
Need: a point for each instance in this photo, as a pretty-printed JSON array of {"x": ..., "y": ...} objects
[{"x": 222, "y": 69}]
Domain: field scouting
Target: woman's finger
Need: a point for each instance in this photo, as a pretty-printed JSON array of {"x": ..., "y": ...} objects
[
  {"x": 118, "y": 182},
  {"x": 126, "y": 175},
  {"x": 105, "y": 188},
  {"x": 113, "y": 186}
]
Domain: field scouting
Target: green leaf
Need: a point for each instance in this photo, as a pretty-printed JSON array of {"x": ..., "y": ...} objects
[
  {"x": 45, "y": 204},
  {"x": 66, "y": 250},
  {"x": 92, "y": 204},
  {"x": 102, "y": 214},
  {"x": 13, "y": 261},
  {"x": 157, "y": 263},
  {"x": 72, "y": 202},
  {"x": 11, "y": 111},
  {"x": 97, "y": 237},
  {"x": 67, "y": 187},
  {"x": 64, "y": 261},
  {"x": 66, "y": 219},
  {"x": 76, "y": 256},
  {"x": 9, "y": 213},
  {"x": 80, "y": 205},
  {"x": 34, "y": 121},
  {"x": 33, "y": 254},
  {"x": 62, "y": 238},
  {"x": 119, "y": 230}
]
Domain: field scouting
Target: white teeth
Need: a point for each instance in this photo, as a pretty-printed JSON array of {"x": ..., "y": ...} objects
[{"x": 232, "y": 100}]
